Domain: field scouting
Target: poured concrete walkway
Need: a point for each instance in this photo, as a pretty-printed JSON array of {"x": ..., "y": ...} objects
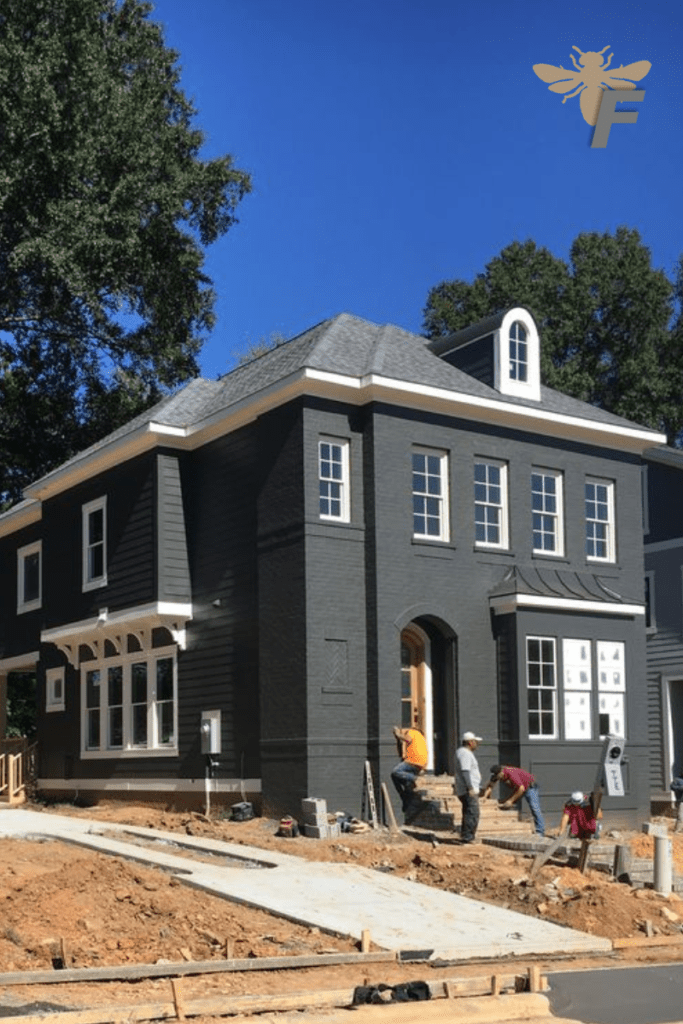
[{"x": 338, "y": 898}]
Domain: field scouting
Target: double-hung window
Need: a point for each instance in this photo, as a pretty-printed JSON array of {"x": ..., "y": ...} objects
[
  {"x": 490, "y": 504},
  {"x": 547, "y": 512},
  {"x": 95, "y": 544},
  {"x": 600, "y": 541},
  {"x": 541, "y": 665},
  {"x": 29, "y": 585},
  {"x": 333, "y": 479},
  {"x": 430, "y": 494},
  {"x": 130, "y": 704}
]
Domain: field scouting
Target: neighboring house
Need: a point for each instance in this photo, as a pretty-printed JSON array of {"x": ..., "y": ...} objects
[
  {"x": 355, "y": 530},
  {"x": 663, "y": 531}
]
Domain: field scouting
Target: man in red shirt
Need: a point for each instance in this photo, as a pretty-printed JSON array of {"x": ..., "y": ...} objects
[
  {"x": 413, "y": 751},
  {"x": 579, "y": 815},
  {"x": 524, "y": 785}
]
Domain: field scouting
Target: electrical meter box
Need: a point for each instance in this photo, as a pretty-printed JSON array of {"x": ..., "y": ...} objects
[{"x": 210, "y": 730}]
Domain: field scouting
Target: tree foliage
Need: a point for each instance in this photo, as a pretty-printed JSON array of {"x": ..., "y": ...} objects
[
  {"x": 105, "y": 211},
  {"x": 610, "y": 323}
]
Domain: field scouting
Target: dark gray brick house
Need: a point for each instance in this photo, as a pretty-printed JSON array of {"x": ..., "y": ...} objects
[
  {"x": 663, "y": 493},
  {"x": 357, "y": 529}
]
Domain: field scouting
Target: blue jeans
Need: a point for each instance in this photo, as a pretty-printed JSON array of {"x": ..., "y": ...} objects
[
  {"x": 404, "y": 777},
  {"x": 532, "y": 797}
]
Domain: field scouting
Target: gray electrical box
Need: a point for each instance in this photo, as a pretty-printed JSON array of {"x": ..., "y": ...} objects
[
  {"x": 210, "y": 730},
  {"x": 609, "y": 773}
]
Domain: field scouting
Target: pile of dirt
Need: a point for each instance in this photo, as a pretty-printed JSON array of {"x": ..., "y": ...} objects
[{"x": 591, "y": 902}]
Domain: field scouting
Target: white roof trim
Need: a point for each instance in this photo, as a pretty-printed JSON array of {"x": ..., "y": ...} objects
[
  {"x": 68, "y": 638},
  {"x": 20, "y": 663},
  {"x": 24, "y": 514},
  {"x": 357, "y": 391},
  {"x": 513, "y": 602}
]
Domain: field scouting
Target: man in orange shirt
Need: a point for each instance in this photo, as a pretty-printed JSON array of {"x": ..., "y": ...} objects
[{"x": 413, "y": 752}]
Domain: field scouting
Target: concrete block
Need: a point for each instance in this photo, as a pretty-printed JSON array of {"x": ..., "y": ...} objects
[
  {"x": 314, "y": 811},
  {"x": 316, "y": 831}
]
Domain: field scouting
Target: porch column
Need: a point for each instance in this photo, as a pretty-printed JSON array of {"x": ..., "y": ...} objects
[{"x": 3, "y": 704}]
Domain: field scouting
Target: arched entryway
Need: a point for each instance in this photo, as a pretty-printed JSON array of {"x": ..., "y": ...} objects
[{"x": 428, "y": 688}]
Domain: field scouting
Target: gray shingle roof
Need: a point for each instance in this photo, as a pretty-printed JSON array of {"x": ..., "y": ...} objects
[{"x": 345, "y": 345}]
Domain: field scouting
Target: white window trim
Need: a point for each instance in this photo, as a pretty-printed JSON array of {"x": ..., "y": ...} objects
[
  {"x": 504, "y": 542},
  {"x": 558, "y": 516},
  {"x": 22, "y": 555},
  {"x": 444, "y": 516},
  {"x": 650, "y": 576},
  {"x": 503, "y": 382},
  {"x": 611, "y": 523},
  {"x": 345, "y": 514},
  {"x": 554, "y": 690},
  {"x": 53, "y": 676},
  {"x": 153, "y": 749},
  {"x": 98, "y": 581}
]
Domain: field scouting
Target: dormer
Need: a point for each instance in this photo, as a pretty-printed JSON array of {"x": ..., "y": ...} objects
[{"x": 503, "y": 351}]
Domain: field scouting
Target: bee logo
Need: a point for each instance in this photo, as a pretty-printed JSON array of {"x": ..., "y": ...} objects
[{"x": 591, "y": 78}]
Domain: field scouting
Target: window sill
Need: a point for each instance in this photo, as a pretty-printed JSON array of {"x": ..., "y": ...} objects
[
  {"x": 440, "y": 548},
  {"x": 30, "y": 606},
  {"x": 98, "y": 755}
]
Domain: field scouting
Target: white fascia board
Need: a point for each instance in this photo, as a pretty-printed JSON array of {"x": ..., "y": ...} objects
[
  {"x": 24, "y": 514},
  {"x": 672, "y": 544},
  {"x": 157, "y": 613},
  {"x": 357, "y": 391},
  {"x": 514, "y": 602},
  {"x": 20, "y": 663}
]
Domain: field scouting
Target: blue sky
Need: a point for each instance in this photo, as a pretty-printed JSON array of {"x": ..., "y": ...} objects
[{"x": 395, "y": 144}]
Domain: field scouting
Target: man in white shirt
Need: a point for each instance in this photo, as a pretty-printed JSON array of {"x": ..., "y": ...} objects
[{"x": 468, "y": 785}]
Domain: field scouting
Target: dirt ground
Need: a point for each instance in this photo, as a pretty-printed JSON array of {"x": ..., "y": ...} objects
[{"x": 61, "y": 902}]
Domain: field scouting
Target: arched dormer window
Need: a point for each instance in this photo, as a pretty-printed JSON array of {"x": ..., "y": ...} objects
[
  {"x": 517, "y": 370},
  {"x": 519, "y": 363}
]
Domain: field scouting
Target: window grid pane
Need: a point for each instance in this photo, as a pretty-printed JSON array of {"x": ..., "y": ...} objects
[
  {"x": 428, "y": 518},
  {"x": 541, "y": 687},
  {"x": 489, "y": 509},
  {"x": 518, "y": 352},
  {"x": 332, "y": 482},
  {"x": 599, "y": 525},
  {"x": 545, "y": 506}
]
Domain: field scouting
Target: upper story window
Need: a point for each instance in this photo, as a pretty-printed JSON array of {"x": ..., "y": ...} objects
[
  {"x": 95, "y": 544},
  {"x": 600, "y": 541},
  {"x": 430, "y": 494},
  {"x": 519, "y": 362},
  {"x": 333, "y": 479},
  {"x": 517, "y": 358},
  {"x": 547, "y": 512},
  {"x": 29, "y": 577},
  {"x": 490, "y": 504}
]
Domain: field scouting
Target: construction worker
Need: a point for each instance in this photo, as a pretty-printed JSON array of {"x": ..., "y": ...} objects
[
  {"x": 412, "y": 748},
  {"x": 524, "y": 785}
]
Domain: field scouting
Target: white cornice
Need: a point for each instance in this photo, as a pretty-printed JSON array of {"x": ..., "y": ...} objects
[
  {"x": 20, "y": 663},
  {"x": 353, "y": 390},
  {"x": 504, "y": 605},
  {"x": 23, "y": 514}
]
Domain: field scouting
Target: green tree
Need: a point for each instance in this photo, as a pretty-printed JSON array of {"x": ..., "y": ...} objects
[
  {"x": 106, "y": 209},
  {"x": 610, "y": 323}
]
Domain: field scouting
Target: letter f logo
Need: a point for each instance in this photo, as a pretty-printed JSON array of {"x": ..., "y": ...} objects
[{"x": 609, "y": 116}]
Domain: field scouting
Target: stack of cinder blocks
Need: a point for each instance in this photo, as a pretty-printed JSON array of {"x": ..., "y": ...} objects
[{"x": 316, "y": 822}]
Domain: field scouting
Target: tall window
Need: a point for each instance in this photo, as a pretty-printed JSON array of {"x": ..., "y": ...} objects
[
  {"x": 490, "y": 504},
  {"x": 600, "y": 544},
  {"x": 430, "y": 494},
  {"x": 333, "y": 479},
  {"x": 95, "y": 544},
  {"x": 130, "y": 704},
  {"x": 541, "y": 687},
  {"x": 577, "y": 680},
  {"x": 29, "y": 586},
  {"x": 546, "y": 511},
  {"x": 611, "y": 688},
  {"x": 519, "y": 360}
]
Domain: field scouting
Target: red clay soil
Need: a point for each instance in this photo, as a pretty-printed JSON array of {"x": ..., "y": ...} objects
[{"x": 60, "y": 901}]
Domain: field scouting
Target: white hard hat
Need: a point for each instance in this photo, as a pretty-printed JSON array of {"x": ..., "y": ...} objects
[{"x": 576, "y": 797}]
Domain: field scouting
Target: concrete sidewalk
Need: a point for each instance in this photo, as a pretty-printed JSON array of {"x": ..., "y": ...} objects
[{"x": 338, "y": 898}]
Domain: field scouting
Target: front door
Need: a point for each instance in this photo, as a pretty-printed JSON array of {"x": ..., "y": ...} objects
[{"x": 416, "y": 686}]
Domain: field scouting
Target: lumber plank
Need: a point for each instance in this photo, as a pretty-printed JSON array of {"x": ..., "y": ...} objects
[
  {"x": 654, "y": 940},
  {"x": 136, "y": 972}
]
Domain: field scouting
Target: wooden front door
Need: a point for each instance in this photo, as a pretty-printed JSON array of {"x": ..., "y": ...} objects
[{"x": 416, "y": 696}]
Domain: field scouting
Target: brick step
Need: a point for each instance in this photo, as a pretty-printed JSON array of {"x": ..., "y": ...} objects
[{"x": 442, "y": 811}]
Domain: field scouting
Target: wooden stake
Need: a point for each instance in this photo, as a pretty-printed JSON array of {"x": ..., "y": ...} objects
[
  {"x": 229, "y": 949},
  {"x": 365, "y": 940},
  {"x": 535, "y": 978},
  {"x": 495, "y": 985},
  {"x": 178, "y": 998}
]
